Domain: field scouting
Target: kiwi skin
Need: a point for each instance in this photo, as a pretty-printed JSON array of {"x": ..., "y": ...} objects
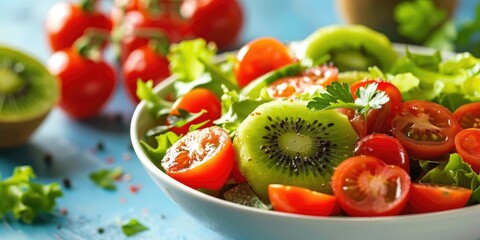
[
  {"x": 17, "y": 124},
  {"x": 314, "y": 166}
]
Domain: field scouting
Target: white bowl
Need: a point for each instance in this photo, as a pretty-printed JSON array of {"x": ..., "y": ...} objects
[{"x": 241, "y": 222}]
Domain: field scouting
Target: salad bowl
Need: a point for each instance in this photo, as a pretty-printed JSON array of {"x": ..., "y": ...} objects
[{"x": 236, "y": 221}]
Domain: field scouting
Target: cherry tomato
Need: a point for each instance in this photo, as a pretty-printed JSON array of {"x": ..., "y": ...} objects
[
  {"x": 433, "y": 198},
  {"x": 201, "y": 159},
  {"x": 139, "y": 27},
  {"x": 384, "y": 147},
  {"x": 357, "y": 121},
  {"x": 258, "y": 57},
  {"x": 468, "y": 115},
  {"x": 426, "y": 129},
  {"x": 86, "y": 85},
  {"x": 195, "y": 101},
  {"x": 218, "y": 21},
  {"x": 379, "y": 120},
  {"x": 289, "y": 87},
  {"x": 467, "y": 144},
  {"x": 66, "y": 22},
  {"x": 292, "y": 199},
  {"x": 146, "y": 64},
  {"x": 366, "y": 186}
]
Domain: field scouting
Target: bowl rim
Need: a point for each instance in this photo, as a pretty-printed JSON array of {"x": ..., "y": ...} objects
[{"x": 153, "y": 169}]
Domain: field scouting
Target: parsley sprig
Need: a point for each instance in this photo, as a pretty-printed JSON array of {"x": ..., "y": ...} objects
[{"x": 338, "y": 95}]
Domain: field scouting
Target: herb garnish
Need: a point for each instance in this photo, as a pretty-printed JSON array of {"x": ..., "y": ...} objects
[
  {"x": 133, "y": 227},
  {"x": 105, "y": 178}
]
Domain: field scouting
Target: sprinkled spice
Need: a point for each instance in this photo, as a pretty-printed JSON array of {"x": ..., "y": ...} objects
[
  {"x": 127, "y": 156},
  {"x": 100, "y": 230},
  {"x": 118, "y": 117},
  {"x": 123, "y": 200},
  {"x": 63, "y": 211},
  {"x": 127, "y": 177},
  {"x": 67, "y": 183},
  {"x": 59, "y": 226},
  {"x": 134, "y": 188},
  {"x": 100, "y": 146},
  {"x": 109, "y": 160},
  {"x": 48, "y": 160}
]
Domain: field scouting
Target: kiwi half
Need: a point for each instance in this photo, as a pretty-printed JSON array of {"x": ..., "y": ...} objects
[
  {"x": 283, "y": 142},
  {"x": 351, "y": 47},
  {"x": 27, "y": 93}
]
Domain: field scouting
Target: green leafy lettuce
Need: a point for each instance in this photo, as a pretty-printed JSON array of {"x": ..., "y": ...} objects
[
  {"x": 105, "y": 178},
  {"x": 26, "y": 199},
  {"x": 133, "y": 227}
]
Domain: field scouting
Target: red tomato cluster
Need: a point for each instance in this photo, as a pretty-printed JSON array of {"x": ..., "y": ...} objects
[{"x": 79, "y": 32}]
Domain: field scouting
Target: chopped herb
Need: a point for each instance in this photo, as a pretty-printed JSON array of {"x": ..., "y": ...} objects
[
  {"x": 338, "y": 95},
  {"x": 133, "y": 227},
  {"x": 26, "y": 199},
  {"x": 105, "y": 178}
]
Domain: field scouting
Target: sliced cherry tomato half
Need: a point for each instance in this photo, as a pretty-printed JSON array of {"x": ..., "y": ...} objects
[
  {"x": 433, "y": 198},
  {"x": 201, "y": 159},
  {"x": 292, "y": 199},
  {"x": 379, "y": 120},
  {"x": 468, "y": 115},
  {"x": 366, "y": 186},
  {"x": 195, "y": 101},
  {"x": 426, "y": 129},
  {"x": 467, "y": 144},
  {"x": 385, "y": 147},
  {"x": 258, "y": 57}
]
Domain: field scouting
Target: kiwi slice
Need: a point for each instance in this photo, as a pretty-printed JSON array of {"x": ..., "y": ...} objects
[
  {"x": 283, "y": 142},
  {"x": 27, "y": 93},
  {"x": 352, "y": 47}
]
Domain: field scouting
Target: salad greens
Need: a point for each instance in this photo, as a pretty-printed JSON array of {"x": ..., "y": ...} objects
[
  {"x": 105, "y": 178},
  {"x": 26, "y": 199},
  {"x": 133, "y": 227}
]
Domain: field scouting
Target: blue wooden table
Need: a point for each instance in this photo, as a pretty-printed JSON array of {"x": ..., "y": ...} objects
[{"x": 73, "y": 145}]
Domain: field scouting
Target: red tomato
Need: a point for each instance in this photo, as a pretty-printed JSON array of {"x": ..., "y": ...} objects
[
  {"x": 218, "y": 21},
  {"x": 139, "y": 27},
  {"x": 258, "y": 57},
  {"x": 426, "y": 129},
  {"x": 145, "y": 64},
  {"x": 468, "y": 115},
  {"x": 201, "y": 159},
  {"x": 366, "y": 186},
  {"x": 433, "y": 198},
  {"x": 288, "y": 87},
  {"x": 358, "y": 122},
  {"x": 195, "y": 101},
  {"x": 66, "y": 22},
  {"x": 467, "y": 144},
  {"x": 292, "y": 199},
  {"x": 385, "y": 147},
  {"x": 379, "y": 120},
  {"x": 86, "y": 85}
]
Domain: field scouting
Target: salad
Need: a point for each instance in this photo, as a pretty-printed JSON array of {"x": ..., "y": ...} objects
[{"x": 338, "y": 124}]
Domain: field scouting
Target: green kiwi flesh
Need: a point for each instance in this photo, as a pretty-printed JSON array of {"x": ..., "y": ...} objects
[
  {"x": 351, "y": 47},
  {"x": 285, "y": 143},
  {"x": 27, "y": 93}
]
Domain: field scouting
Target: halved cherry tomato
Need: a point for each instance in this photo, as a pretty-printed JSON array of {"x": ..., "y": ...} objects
[
  {"x": 426, "y": 197},
  {"x": 292, "y": 199},
  {"x": 195, "y": 101},
  {"x": 426, "y": 129},
  {"x": 288, "y": 87},
  {"x": 379, "y": 120},
  {"x": 357, "y": 121},
  {"x": 468, "y": 115},
  {"x": 385, "y": 147},
  {"x": 66, "y": 22},
  {"x": 201, "y": 159},
  {"x": 366, "y": 186},
  {"x": 144, "y": 63},
  {"x": 467, "y": 144},
  {"x": 258, "y": 57}
]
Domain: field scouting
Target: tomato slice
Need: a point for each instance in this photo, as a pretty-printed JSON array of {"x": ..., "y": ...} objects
[
  {"x": 357, "y": 121},
  {"x": 201, "y": 159},
  {"x": 195, "y": 101},
  {"x": 432, "y": 198},
  {"x": 468, "y": 115},
  {"x": 366, "y": 186},
  {"x": 379, "y": 120},
  {"x": 258, "y": 57},
  {"x": 385, "y": 147},
  {"x": 467, "y": 144},
  {"x": 293, "y": 199},
  {"x": 426, "y": 129}
]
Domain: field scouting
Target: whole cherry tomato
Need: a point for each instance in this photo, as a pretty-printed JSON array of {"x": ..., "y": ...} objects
[
  {"x": 426, "y": 197},
  {"x": 203, "y": 158},
  {"x": 86, "y": 84},
  {"x": 258, "y": 57},
  {"x": 467, "y": 144},
  {"x": 219, "y": 21},
  {"x": 144, "y": 63},
  {"x": 66, "y": 22},
  {"x": 468, "y": 115}
]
